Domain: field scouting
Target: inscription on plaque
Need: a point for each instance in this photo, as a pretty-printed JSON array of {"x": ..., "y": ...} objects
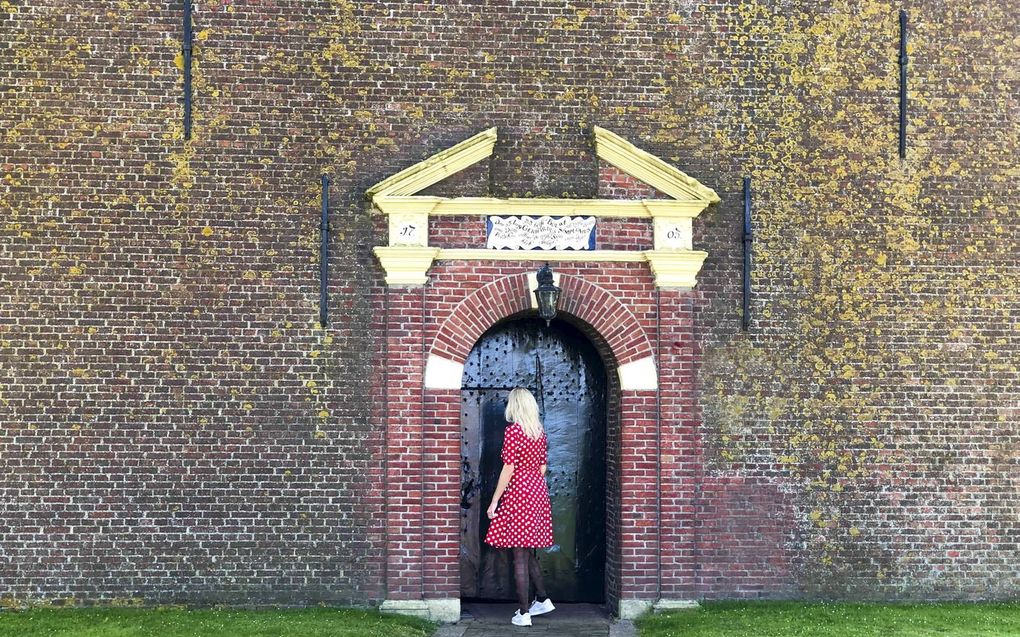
[
  {"x": 673, "y": 233},
  {"x": 540, "y": 233},
  {"x": 408, "y": 230}
]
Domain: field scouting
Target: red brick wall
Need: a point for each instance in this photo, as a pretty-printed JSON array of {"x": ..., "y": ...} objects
[
  {"x": 741, "y": 545},
  {"x": 616, "y": 184},
  {"x": 177, "y": 427}
]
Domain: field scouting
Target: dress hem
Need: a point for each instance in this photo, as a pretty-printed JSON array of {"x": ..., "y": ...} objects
[{"x": 516, "y": 546}]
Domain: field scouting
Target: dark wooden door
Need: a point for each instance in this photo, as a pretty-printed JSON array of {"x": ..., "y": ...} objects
[{"x": 564, "y": 371}]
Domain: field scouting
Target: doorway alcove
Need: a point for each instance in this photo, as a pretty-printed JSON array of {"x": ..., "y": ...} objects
[{"x": 565, "y": 372}]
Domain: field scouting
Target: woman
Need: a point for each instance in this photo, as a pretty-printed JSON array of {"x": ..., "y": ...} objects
[{"x": 520, "y": 512}]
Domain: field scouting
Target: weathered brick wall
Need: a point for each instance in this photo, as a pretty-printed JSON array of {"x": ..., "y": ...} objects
[
  {"x": 879, "y": 381},
  {"x": 176, "y": 425}
]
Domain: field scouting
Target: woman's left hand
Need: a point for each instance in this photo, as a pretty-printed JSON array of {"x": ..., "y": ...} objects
[{"x": 491, "y": 511}]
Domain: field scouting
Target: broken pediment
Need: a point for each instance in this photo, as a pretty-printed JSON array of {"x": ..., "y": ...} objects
[{"x": 408, "y": 256}]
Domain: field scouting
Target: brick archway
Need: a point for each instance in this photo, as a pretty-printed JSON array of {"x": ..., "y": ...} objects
[
  {"x": 610, "y": 324},
  {"x": 430, "y": 331}
]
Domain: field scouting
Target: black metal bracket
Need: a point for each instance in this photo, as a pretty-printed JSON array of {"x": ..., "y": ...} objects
[
  {"x": 324, "y": 254},
  {"x": 903, "y": 83},
  {"x": 748, "y": 237},
  {"x": 186, "y": 50}
]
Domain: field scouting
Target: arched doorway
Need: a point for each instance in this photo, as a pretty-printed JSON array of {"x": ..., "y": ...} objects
[{"x": 568, "y": 377}]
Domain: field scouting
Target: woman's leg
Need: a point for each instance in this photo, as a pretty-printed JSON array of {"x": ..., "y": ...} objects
[
  {"x": 521, "y": 577},
  {"x": 536, "y": 576}
]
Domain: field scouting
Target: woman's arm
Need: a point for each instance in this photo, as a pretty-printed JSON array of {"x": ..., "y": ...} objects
[
  {"x": 504, "y": 479},
  {"x": 544, "y": 468}
]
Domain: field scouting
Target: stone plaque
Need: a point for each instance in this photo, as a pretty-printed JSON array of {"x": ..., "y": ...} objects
[
  {"x": 673, "y": 233},
  {"x": 409, "y": 229},
  {"x": 540, "y": 233}
]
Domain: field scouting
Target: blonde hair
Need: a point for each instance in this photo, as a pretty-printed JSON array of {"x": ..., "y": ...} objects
[{"x": 522, "y": 409}]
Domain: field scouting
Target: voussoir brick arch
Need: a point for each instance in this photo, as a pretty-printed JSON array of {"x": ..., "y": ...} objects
[{"x": 612, "y": 320}]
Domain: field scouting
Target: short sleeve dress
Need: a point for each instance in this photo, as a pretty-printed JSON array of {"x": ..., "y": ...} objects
[{"x": 523, "y": 517}]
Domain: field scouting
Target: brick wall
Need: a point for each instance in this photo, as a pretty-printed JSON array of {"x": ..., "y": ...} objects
[{"x": 176, "y": 425}]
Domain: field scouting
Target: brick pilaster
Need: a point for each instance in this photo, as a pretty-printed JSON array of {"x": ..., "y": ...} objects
[{"x": 404, "y": 449}]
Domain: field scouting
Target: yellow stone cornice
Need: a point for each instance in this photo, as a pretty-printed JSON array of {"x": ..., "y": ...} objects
[
  {"x": 406, "y": 265},
  {"x": 675, "y": 268},
  {"x": 484, "y": 206}
]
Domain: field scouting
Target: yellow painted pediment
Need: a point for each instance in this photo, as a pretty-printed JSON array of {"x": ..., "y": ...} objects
[
  {"x": 673, "y": 260},
  {"x": 609, "y": 146},
  {"x": 437, "y": 167},
  {"x": 645, "y": 166}
]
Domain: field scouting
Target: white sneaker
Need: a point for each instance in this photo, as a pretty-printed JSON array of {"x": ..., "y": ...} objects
[
  {"x": 541, "y": 608},
  {"x": 521, "y": 620}
]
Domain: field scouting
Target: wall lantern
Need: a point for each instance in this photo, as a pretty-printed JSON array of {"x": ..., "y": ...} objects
[{"x": 547, "y": 294}]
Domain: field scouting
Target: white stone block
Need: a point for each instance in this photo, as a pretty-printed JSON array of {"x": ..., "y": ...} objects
[
  {"x": 639, "y": 375},
  {"x": 442, "y": 373}
]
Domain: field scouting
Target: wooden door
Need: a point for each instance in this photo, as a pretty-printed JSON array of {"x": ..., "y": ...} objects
[{"x": 564, "y": 371}]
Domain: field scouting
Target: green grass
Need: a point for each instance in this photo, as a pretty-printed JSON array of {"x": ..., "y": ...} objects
[
  {"x": 795, "y": 619},
  {"x": 177, "y": 622}
]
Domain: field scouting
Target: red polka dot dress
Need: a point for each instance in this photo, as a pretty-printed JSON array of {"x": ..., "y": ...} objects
[{"x": 523, "y": 517}]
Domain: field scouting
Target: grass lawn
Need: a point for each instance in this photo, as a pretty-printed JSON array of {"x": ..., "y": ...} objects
[
  {"x": 177, "y": 622},
  {"x": 788, "y": 619}
]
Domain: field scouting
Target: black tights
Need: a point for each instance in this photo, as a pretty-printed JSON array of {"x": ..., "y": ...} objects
[{"x": 525, "y": 564}]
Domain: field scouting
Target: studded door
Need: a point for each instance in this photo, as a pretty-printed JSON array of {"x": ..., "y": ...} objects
[{"x": 564, "y": 371}]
